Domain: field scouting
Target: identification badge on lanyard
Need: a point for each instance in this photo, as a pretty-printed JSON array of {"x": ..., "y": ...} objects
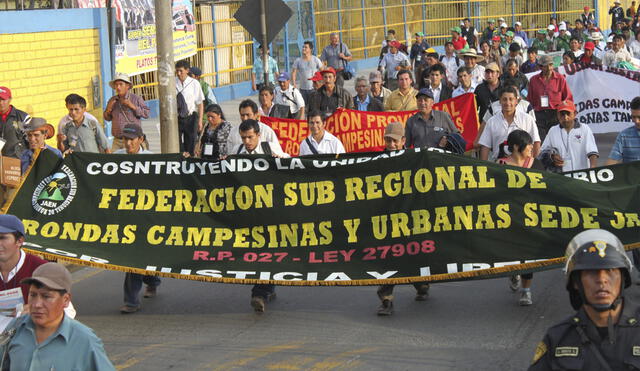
[
  {"x": 208, "y": 149},
  {"x": 544, "y": 101}
]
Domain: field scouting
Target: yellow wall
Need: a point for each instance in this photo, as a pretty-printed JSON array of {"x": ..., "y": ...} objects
[{"x": 41, "y": 69}]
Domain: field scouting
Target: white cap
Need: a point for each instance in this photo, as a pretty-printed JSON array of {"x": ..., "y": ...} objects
[
  {"x": 610, "y": 39},
  {"x": 504, "y": 25},
  {"x": 461, "y": 23},
  {"x": 562, "y": 27},
  {"x": 551, "y": 27},
  {"x": 518, "y": 23}
]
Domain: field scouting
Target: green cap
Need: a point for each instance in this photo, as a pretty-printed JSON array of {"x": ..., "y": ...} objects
[
  {"x": 542, "y": 32},
  {"x": 492, "y": 21},
  {"x": 510, "y": 33},
  {"x": 419, "y": 34},
  {"x": 456, "y": 29}
]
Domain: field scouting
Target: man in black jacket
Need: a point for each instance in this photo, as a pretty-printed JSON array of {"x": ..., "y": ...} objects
[
  {"x": 363, "y": 101},
  {"x": 330, "y": 96},
  {"x": 12, "y": 121}
]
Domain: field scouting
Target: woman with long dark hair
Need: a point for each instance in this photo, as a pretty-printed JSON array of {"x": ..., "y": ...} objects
[{"x": 212, "y": 144}]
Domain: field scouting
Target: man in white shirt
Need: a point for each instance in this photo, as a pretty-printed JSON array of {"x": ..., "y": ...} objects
[
  {"x": 253, "y": 145},
  {"x": 438, "y": 85},
  {"x": 189, "y": 119},
  {"x": 252, "y": 142},
  {"x": 465, "y": 83},
  {"x": 319, "y": 141},
  {"x": 287, "y": 95},
  {"x": 570, "y": 145},
  {"x": 499, "y": 126},
  {"x": 392, "y": 62},
  {"x": 617, "y": 54},
  {"x": 451, "y": 63},
  {"x": 249, "y": 111}
]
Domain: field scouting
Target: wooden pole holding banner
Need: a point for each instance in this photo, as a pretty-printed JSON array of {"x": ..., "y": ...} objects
[
  {"x": 166, "y": 80},
  {"x": 265, "y": 44}
]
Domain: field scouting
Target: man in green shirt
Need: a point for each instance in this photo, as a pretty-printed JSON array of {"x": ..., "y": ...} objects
[
  {"x": 45, "y": 338},
  {"x": 541, "y": 43}
]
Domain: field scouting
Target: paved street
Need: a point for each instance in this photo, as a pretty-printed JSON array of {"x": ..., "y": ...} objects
[{"x": 474, "y": 325}]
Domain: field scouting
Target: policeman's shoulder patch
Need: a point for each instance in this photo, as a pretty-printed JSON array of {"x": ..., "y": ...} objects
[
  {"x": 541, "y": 349},
  {"x": 567, "y": 351},
  {"x": 636, "y": 351}
]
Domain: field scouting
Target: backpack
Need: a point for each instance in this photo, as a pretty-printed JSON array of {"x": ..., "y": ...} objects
[{"x": 183, "y": 111}]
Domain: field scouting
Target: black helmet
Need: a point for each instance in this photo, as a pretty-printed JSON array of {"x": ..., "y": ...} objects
[{"x": 594, "y": 249}]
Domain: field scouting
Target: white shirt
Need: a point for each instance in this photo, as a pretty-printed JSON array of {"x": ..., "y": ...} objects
[
  {"x": 477, "y": 74},
  {"x": 328, "y": 144},
  {"x": 290, "y": 97},
  {"x": 275, "y": 150},
  {"x": 612, "y": 58},
  {"x": 191, "y": 91},
  {"x": 452, "y": 68},
  {"x": 436, "y": 92},
  {"x": 523, "y": 106},
  {"x": 498, "y": 129},
  {"x": 578, "y": 53},
  {"x": 574, "y": 147},
  {"x": 634, "y": 46},
  {"x": 460, "y": 90},
  {"x": 266, "y": 135},
  {"x": 521, "y": 42},
  {"x": 390, "y": 61}
]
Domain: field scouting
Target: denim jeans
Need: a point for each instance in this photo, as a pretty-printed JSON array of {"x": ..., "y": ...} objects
[
  {"x": 133, "y": 284},
  {"x": 263, "y": 290}
]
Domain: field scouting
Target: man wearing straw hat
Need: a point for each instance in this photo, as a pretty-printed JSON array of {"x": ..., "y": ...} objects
[
  {"x": 123, "y": 108},
  {"x": 471, "y": 59}
]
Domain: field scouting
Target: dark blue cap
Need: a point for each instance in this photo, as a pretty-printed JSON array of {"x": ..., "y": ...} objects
[
  {"x": 424, "y": 92},
  {"x": 284, "y": 76},
  {"x": 10, "y": 223},
  {"x": 132, "y": 131},
  {"x": 195, "y": 71}
]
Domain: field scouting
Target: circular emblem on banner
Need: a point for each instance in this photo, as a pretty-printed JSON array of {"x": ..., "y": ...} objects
[{"x": 55, "y": 192}]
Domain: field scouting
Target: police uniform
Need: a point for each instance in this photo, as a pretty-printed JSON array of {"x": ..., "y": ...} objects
[
  {"x": 576, "y": 343},
  {"x": 563, "y": 347}
]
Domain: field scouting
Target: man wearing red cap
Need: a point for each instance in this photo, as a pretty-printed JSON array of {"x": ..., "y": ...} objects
[
  {"x": 570, "y": 145},
  {"x": 12, "y": 121},
  {"x": 393, "y": 62},
  {"x": 587, "y": 57},
  {"x": 587, "y": 17},
  {"x": 330, "y": 96}
]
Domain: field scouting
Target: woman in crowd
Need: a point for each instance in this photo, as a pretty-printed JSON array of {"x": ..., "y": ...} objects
[
  {"x": 518, "y": 152},
  {"x": 212, "y": 144},
  {"x": 568, "y": 58}
]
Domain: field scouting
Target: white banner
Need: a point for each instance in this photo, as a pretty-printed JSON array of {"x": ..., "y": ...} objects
[{"x": 602, "y": 95}]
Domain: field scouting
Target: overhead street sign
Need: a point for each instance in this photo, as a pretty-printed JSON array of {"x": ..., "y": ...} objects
[{"x": 277, "y": 14}]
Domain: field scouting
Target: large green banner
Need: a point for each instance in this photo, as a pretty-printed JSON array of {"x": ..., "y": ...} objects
[{"x": 355, "y": 219}]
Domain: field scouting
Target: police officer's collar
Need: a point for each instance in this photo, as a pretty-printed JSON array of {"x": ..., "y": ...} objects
[{"x": 630, "y": 315}]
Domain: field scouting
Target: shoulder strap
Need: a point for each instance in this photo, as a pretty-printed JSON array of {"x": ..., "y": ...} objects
[
  {"x": 312, "y": 148},
  {"x": 240, "y": 149},
  {"x": 266, "y": 148},
  {"x": 594, "y": 349}
]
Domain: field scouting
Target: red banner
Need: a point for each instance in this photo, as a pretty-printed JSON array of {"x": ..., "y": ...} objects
[{"x": 362, "y": 131}]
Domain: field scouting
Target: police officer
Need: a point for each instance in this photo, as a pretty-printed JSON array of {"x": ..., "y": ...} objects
[{"x": 604, "y": 334}]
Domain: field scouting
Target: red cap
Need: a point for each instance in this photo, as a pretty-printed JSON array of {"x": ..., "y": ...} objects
[
  {"x": 316, "y": 77},
  {"x": 328, "y": 70},
  {"x": 566, "y": 105},
  {"x": 395, "y": 44},
  {"x": 5, "y": 93},
  {"x": 496, "y": 38},
  {"x": 589, "y": 45},
  {"x": 586, "y": 8}
]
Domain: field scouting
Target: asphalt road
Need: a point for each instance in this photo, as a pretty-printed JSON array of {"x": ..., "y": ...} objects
[{"x": 473, "y": 325}]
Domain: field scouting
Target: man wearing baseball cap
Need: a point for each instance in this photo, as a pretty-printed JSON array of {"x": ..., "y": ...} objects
[
  {"x": 12, "y": 121},
  {"x": 546, "y": 91},
  {"x": 393, "y": 62},
  {"x": 569, "y": 145},
  {"x": 123, "y": 108},
  {"x": 38, "y": 130},
  {"x": 428, "y": 127},
  {"x": 330, "y": 96},
  {"x": 587, "y": 17},
  {"x": 317, "y": 81},
  {"x": 587, "y": 57},
  {"x": 46, "y": 338},
  {"x": 133, "y": 139},
  {"x": 287, "y": 95},
  {"x": 520, "y": 32},
  {"x": 377, "y": 90},
  {"x": 541, "y": 43}
]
